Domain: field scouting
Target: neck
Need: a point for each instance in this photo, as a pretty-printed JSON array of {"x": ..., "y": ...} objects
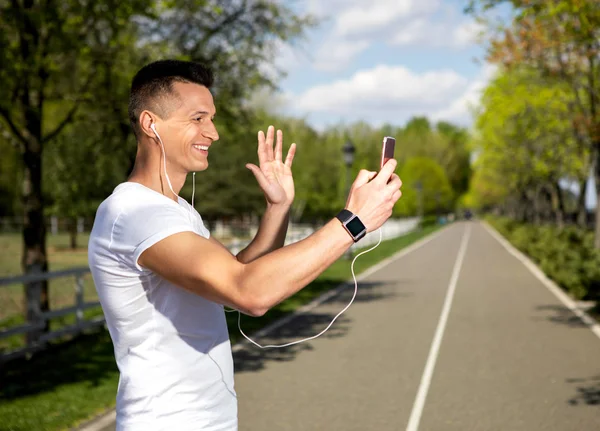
[{"x": 149, "y": 171}]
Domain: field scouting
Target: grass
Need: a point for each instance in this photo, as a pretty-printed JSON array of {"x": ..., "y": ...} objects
[
  {"x": 75, "y": 380},
  {"x": 61, "y": 290}
]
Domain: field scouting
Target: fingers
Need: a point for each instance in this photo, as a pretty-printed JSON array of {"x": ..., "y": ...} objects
[
  {"x": 266, "y": 153},
  {"x": 269, "y": 143},
  {"x": 290, "y": 156},
  {"x": 262, "y": 149},
  {"x": 279, "y": 146},
  {"x": 397, "y": 194},
  {"x": 386, "y": 172},
  {"x": 363, "y": 178},
  {"x": 394, "y": 183},
  {"x": 260, "y": 177}
]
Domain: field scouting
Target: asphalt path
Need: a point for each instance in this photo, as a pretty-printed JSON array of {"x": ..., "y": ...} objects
[{"x": 456, "y": 334}]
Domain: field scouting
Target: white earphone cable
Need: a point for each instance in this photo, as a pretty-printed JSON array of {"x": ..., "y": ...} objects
[
  {"x": 331, "y": 323},
  {"x": 193, "y": 187},
  {"x": 162, "y": 147}
]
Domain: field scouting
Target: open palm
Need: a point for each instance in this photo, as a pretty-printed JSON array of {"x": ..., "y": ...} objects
[{"x": 274, "y": 176}]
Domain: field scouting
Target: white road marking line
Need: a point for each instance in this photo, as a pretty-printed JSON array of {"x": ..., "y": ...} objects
[
  {"x": 417, "y": 411},
  {"x": 331, "y": 293},
  {"x": 552, "y": 287}
]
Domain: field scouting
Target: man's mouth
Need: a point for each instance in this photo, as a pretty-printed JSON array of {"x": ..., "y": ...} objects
[{"x": 202, "y": 148}]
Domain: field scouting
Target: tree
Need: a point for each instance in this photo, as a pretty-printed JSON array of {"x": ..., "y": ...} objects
[
  {"x": 457, "y": 156},
  {"x": 561, "y": 39},
  {"x": 425, "y": 188},
  {"x": 525, "y": 140},
  {"x": 444, "y": 143},
  {"x": 63, "y": 55},
  {"x": 9, "y": 176},
  {"x": 41, "y": 41}
]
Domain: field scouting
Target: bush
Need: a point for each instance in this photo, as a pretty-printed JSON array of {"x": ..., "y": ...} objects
[
  {"x": 565, "y": 255},
  {"x": 429, "y": 220}
]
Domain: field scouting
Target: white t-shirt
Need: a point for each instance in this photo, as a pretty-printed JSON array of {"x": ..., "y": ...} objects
[{"x": 171, "y": 346}]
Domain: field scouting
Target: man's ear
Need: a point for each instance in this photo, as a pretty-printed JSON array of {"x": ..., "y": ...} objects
[{"x": 147, "y": 118}]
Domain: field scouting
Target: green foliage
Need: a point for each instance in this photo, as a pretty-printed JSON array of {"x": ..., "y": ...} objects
[
  {"x": 566, "y": 255},
  {"x": 524, "y": 138},
  {"x": 556, "y": 42},
  {"x": 428, "y": 176},
  {"x": 428, "y": 221}
]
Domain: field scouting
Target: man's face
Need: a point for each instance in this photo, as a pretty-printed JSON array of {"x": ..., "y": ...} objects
[{"x": 189, "y": 131}]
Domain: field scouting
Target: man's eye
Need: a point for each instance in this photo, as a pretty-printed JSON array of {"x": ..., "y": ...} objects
[{"x": 198, "y": 118}]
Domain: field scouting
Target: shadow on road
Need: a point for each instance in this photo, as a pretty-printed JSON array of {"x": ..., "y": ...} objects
[
  {"x": 561, "y": 315},
  {"x": 252, "y": 358},
  {"x": 588, "y": 391}
]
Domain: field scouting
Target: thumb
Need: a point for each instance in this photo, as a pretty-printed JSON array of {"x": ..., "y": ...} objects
[{"x": 260, "y": 177}]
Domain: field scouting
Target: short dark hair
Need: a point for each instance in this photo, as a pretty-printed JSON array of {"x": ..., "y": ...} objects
[{"x": 155, "y": 81}]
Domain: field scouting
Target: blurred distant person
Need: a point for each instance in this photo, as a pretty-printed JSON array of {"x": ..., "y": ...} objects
[{"x": 163, "y": 281}]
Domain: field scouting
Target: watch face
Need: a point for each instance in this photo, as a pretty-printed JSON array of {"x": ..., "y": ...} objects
[{"x": 355, "y": 226}]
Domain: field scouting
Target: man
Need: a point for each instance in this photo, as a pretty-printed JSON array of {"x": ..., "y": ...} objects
[{"x": 163, "y": 280}]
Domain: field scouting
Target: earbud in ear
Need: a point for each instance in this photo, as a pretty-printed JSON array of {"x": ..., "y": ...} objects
[{"x": 153, "y": 127}]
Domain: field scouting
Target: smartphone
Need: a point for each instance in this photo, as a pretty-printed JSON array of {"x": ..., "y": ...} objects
[{"x": 387, "y": 151}]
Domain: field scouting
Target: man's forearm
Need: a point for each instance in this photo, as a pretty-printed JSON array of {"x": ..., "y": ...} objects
[
  {"x": 272, "y": 278},
  {"x": 270, "y": 236}
]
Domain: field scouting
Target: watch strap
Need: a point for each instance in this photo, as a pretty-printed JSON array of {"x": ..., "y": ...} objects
[{"x": 344, "y": 215}]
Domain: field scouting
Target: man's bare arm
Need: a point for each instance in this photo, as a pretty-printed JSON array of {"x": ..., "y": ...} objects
[
  {"x": 207, "y": 269},
  {"x": 270, "y": 236}
]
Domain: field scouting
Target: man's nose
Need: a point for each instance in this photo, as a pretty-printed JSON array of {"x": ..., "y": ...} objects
[{"x": 211, "y": 132}]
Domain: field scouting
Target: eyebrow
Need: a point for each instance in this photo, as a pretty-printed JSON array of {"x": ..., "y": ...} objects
[{"x": 201, "y": 113}]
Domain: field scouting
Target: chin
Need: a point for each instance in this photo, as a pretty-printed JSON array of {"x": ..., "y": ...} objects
[{"x": 199, "y": 167}]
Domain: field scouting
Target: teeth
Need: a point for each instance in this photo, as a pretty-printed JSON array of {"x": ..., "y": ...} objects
[{"x": 202, "y": 147}]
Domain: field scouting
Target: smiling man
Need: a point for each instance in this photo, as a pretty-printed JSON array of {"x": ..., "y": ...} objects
[{"x": 163, "y": 280}]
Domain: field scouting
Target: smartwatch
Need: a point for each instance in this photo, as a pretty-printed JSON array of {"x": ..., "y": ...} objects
[{"x": 352, "y": 224}]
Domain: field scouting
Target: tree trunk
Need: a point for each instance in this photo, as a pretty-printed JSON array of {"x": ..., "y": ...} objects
[
  {"x": 34, "y": 258},
  {"x": 73, "y": 232},
  {"x": 558, "y": 205},
  {"x": 597, "y": 182},
  {"x": 34, "y": 240},
  {"x": 537, "y": 212},
  {"x": 581, "y": 209}
]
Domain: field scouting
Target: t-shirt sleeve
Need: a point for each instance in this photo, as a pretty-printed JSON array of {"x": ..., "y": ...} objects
[{"x": 136, "y": 230}]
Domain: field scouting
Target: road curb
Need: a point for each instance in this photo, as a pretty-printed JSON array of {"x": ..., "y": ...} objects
[
  {"x": 99, "y": 422},
  {"x": 556, "y": 290},
  {"x": 104, "y": 419}
]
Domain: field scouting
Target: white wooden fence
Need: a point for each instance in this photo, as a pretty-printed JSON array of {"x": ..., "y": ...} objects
[{"x": 37, "y": 339}]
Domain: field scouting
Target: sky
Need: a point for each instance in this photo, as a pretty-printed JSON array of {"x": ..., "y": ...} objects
[{"x": 385, "y": 61}]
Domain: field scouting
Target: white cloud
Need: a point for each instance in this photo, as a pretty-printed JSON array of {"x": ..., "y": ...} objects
[
  {"x": 352, "y": 26},
  {"x": 467, "y": 33},
  {"x": 426, "y": 33},
  {"x": 337, "y": 54},
  {"x": 376, "y": 17},
  {"x": 383, "y": 92},
  {"x": 459, "y": 110}
]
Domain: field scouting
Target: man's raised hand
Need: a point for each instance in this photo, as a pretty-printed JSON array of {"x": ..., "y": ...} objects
[{"x": 274, "y": 176}]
